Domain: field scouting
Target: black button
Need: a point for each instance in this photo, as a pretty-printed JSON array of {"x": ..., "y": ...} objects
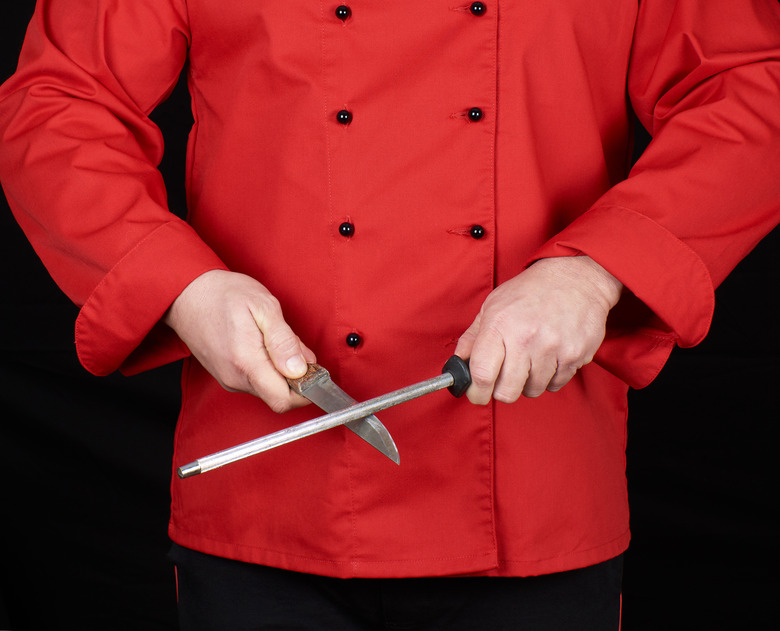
[
  {"x": 346, "y": 229},
  {"x": 475, "y": 114},
  {"x": 344, "y": 117},
  {"x": 353, "y": 340},
  {"x": 478, "y": 9},
  {"x": 477, "y": 232},
  {"x": 343, "y": 12}
]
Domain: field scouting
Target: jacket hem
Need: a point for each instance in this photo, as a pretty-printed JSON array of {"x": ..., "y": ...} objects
[
  {"x": 564, "y": 563},
  {"x": 349, "y": 568},
  {"x": 480, "y": 564}
]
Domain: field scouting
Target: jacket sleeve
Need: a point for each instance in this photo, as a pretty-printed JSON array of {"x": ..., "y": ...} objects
[
  {"x": 704, "y": 80},
  {"x": 78, "y": 164}
]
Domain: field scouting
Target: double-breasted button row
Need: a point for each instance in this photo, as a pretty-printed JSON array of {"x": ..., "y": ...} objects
[{"x": 344, "y": 117}]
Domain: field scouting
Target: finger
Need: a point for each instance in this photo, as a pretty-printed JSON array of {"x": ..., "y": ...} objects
[
  {"x": 512, "y": 378},
  {"x": 275, "y": 391},
  {"x": 562, "y": 376},
  {"x": 487, "y": 356},
  {"x": 466, "y": 341},
  {"x": 541, "y": 373},
  {"x": 252, "y": 371}
]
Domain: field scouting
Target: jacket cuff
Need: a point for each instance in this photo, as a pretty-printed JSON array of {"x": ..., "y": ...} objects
[
  {"x": 119, "y": 325},
  {"x": 670, "y": 296}
]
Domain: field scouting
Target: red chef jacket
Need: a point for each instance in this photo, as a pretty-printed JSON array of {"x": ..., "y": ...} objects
[{"x": 460, "y": 142}]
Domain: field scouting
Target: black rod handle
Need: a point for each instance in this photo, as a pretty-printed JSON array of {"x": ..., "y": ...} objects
[{"x": 459, "y": 369}]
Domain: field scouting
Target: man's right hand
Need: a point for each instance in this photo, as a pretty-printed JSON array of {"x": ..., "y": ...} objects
[{"x": 234, "y": 327}]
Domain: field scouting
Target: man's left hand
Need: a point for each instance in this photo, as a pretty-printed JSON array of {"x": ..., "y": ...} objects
[{"x": 536, "y": 330}]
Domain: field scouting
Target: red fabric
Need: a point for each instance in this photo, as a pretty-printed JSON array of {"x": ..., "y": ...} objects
[{"x": 533, "y": 487}]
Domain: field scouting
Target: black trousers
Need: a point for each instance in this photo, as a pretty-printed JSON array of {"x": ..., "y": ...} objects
[{"x": 219, "y": 595}]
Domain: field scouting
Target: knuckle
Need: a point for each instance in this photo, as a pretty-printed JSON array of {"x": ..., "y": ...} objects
[
  {"x": 571, "y": 352},
  {"x": 268, "y": 302},
  {"x": 558, "y": 383},
  {"x": 549, "y": 341},
  {"x": 481, "y": 376},
  {"x": 504, "y": 395},
  {"x": 229, "y": 384},
  {"x": 231, "y": 372},
  {"x": 278, "y": 405},
  {"x": 266, "y": 308},
  {"x": 500, "y": 325},
  {"x": 533, "y": 390},
  {"x": 240, "y": 368},
  {"x": 527, "y": 336},
  {"x": 275, "y": 395},
  {"x": 535, "y": 387},
  {"x": 478, "y": 398},
  {"x": 236, "y": 383},
  {"x": 565, "y": 371},
  {"x": 281, "y": 341}
]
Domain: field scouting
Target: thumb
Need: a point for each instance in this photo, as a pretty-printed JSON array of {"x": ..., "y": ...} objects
[
  {"x": 466, "y": 342},
  {"x": 287, "y": 352}
]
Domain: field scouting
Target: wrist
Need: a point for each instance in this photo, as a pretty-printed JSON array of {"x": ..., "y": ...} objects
[
  {"x": 190, "y": 297},
  {"x": 588, "y": 275},
  {"x": 610, "y": 287}
]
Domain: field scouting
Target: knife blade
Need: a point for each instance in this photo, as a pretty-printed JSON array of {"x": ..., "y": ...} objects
[
  {"x": 455, "y": 377},
  {"x": 317, "y": 386}
]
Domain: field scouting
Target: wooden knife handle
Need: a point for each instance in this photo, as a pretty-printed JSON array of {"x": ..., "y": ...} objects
[{"x": 314, "y": 373}]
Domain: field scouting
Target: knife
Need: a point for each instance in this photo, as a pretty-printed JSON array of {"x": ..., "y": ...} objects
[
  {"x": 455, "y": 377},
  {"x": 317, "y": 386}
]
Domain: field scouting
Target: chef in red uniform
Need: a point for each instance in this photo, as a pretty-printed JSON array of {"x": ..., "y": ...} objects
[{"x": 379, "y": 186}]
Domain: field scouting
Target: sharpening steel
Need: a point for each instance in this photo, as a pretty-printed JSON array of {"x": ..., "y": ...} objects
[{"x": 455, "y": 376}]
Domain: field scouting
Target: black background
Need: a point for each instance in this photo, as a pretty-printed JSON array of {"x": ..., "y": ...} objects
[{"x": 85, "y": 461}]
